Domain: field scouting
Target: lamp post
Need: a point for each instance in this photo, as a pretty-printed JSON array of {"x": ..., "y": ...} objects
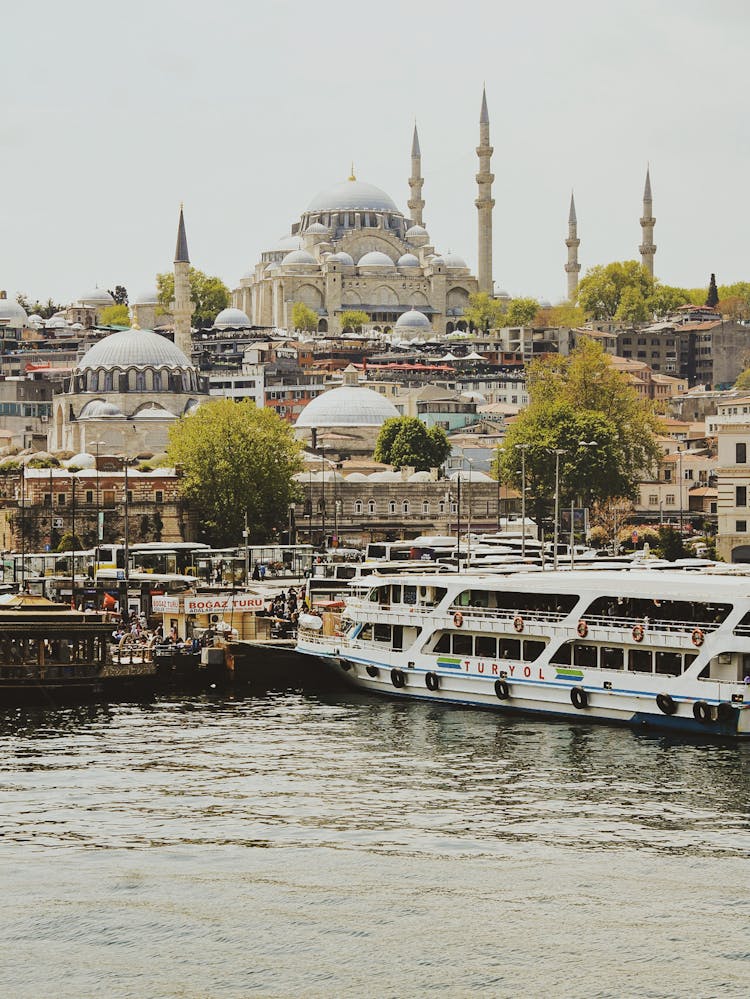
[
  {"x": 679, "y": 486},
  {"x": 465, "y": 457},
  {"x": 23, "y": 527},
  {"x": 583, "y": 444},
  {"x": 73, "y": 481},
  {"x": 557, "y": 451},
  {"x": 99, "y": 517},
  {"x": 523, "y": 448}
]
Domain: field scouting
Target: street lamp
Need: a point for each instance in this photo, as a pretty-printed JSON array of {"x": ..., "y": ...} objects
[
  {"x": 99, "y": 516},
  {"x": 465, "y": 457},
  {"x": 583, "y": 444},
  {"x": 523, "y": 448},
  {"x": 557, "y": 451}
]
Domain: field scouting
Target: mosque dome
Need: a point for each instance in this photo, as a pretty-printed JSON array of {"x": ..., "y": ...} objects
[
  {"x": 11, "y": 311},
  {"x": 299, "y": 257},
  {"x": 352, "y": 195},
  {"x": 375, "y": 258},
  {"x": 413, "y": 319},
  {"x": 36, "y": 319},
  {"x": 153, "y": 412},
  {"x": 56, "y": 322},
  {"x": 454, "y": 261},
  {"x": 134, "y": 348},
  {"x": 82, "y": 460},
  {"x": 408, "y": 260},
  {"x": 317, "y": 228},
  {"x": 148, "y": 297},
  {"x": 347, "y": 406},
  {"x": 232, "y": 317},
  {"x": 437, "y": 260},
  {"x": 343, "y": 258},
  {"x": 99, "y": 296},
  {"x": 415, "y": 232},
  {"x": 98, "y": 408}
]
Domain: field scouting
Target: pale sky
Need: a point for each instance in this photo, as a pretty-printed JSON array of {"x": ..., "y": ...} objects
[{"x": 113, "y": 114}]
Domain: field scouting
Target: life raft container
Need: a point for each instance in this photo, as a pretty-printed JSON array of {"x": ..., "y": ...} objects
[
  {"x": 458, "y": 619},
  {"x": 698, "y": 637},
  {"x": 583, "y": 628},
  {"x": 518, "y": 623},
  {"x": 638, "y": 633}
]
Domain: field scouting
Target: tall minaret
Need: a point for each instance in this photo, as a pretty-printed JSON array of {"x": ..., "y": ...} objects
[
  {"x": 183, "y": 305},
  {"x": 572, "y": 268},
  {"x": 648, "y": 247},
  {"x": 416, "y": 202},
  {"x": 485, "y": 202}
]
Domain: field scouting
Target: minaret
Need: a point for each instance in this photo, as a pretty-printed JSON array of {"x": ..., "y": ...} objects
[
  {"x": 183, "y": 305},
  {"x": 484, "y": 201},
  {"x": 648, "y": 247},
  {"x": 572, "y": 268},
  {"x": 416, "y": 202}
]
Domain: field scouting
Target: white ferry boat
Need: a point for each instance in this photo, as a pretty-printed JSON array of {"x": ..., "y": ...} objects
[{"x": 648, "y": 648}]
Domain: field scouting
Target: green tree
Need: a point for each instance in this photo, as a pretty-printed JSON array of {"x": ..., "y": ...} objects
[
  {"x": 236, "y": 459},
  {"x": 304, "y": 318},
  {"x": 353, "y": 320},
  {"x": 632, "y": 307},
  {"x": 665, "y": 299},
  {"x": 69, "y": 543},
  {"x": 483, "y": 312},
  {"x": 565, "y": 315},
  {"x": 743, "y": 380},
  {"x": 209, "y": 295},
  {"x": 575, "y": 399},
  {"x": 114, "y": 315},
  {"x": 712, "y": 298},
  {"x": 671, "y": 546},
  {"x": 44, "y": 309},
  {"x": 520, "y": 312},
  {"x": 404, "y": 441},
  {"x": 600, "y": 290},
  {"x": 120, "y": 295}
]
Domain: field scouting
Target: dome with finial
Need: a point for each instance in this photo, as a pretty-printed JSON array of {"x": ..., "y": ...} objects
[{"x": 352, "y": 195}]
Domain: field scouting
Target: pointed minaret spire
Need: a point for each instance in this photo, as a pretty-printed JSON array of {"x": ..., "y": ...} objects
[
  {"x": 484, "y": 201},
  {"x": 648, "y": 247},
  {"x": 183, "y": 304},
  {"x": 572, "y": 268},
  {"x": 416, "y": 202}
]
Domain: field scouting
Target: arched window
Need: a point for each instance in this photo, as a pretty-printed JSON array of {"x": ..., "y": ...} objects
[
  {"x": 107, "y": 381},
  {"x": 441, "y": 506},
  {"x": 371, "y": 507},
  {"x": 140, "y": 381},
  {"x": 454, "y": 507},
  {"x": 391, "y": 507},
  {"x": 157, "y": 381},
  {"x": 94, "y": 381},
  {"x": 358, "y": 506},
  {"x": 406, "y": 506},
  {"x": 425, "y": 508}
]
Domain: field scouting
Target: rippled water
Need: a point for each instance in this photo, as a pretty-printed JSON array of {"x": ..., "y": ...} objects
[{"x": 299, "y": 844}]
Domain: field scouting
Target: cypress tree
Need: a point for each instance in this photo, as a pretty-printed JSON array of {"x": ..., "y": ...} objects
[{"x": 712, "y": 299}]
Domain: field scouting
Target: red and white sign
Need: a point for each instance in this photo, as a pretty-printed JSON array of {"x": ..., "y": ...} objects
[
  {"x": 165, "y": 605},
  {"x": 215, "y": 603}
]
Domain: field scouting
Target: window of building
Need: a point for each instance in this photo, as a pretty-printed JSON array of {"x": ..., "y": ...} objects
[
  {"x": 61, "y": 499},
  {"x": 667, "y": 474},
  {"x": 441, "y": 507},
  {"x": 48, "y": 499},
  {"x": 89, "y": 495},
  {"x": 740, "y": 453},
  {"x": 454, "y": 507},
  {"x": 670, "y": 499},
  {"x": 740, "y": 526},
  {"x": 405, "y": 507},
  {"x": 358, "y": 506},
  {"x": 159, "y": 496},
  {"x": 391, "y": 507},
  {"x": 371, "y": 506},
  {"x": 653, "y": 499},
  {"x": 130, "y": 495},
  {"x": 740, "y": 496},
  {"x": 425, "y": 508}
]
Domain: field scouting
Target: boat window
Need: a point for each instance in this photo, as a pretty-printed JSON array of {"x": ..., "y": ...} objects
[
  {"x": 346, "y": 572},
  {"x": 509, "y": 648},
  {"x": 485, "y": 646},
  {"x": 585, "y": 655},
  {"x": 611, "y": 658},
  {"x": 669, "y": 663},
  {"x": 396, "y": 594},
  {"x": 462, "y": 645},
  {"x": 693, "y": 612},
  {"x": 690, "y": 658},
  {"x": 443, "y": 644},
  {"x": 366, "y": 633},
  {"x": 398, "y": 637},
  {"x": 639, "y": 660},
  {"x": 382, "y": 633},
  {"x": 561, "y": 656},
  {"x": 519, "y": 602},
  {"x": 532, "y": 650},
  {"x": 410, "y": 594}
]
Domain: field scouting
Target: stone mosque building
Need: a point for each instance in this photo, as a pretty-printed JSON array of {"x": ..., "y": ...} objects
[{"x": 353, "y": 248}]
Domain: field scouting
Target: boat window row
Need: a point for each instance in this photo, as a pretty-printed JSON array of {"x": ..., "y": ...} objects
[
  {"x": 389, "y": 635},
  {"x": 49, "y": 651},
  {"x": 407, "y": 593},
  {"x": 692, "y": 612},
  {"x": 461, "y": 643},
  {"x": 518, "y": 602},
  {"x": 588, "y": 656}
]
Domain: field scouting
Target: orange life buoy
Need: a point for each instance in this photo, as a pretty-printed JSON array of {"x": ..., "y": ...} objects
[
  {"x": 698, "y": 637},
  {"x": 518, "y": 623},
  {"x": 638, "y": 633},
  {"x": 458, "y": 619},
  {"x": 583, "y": 628}
]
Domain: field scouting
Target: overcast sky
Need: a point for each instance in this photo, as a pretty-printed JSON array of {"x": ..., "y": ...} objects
[{"x": 113, "y": 114}]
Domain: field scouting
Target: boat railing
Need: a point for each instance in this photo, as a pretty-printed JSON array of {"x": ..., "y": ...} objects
[
  {"x": 648, "y": 624},
  {"x": 504, "y": 613}
]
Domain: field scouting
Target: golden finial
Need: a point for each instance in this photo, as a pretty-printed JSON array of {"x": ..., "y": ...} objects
[{"x": 351, "y": 175}]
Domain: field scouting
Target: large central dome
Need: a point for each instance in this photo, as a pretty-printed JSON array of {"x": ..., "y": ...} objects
[
  {"x": 138, "y": 348},
  {"x": 347, "y": 406},
  {"x": 352, "y": 195}
]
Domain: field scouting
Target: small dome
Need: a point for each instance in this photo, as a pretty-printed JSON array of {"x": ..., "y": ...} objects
[
  {"x": 300, "y": 257},
  {"x": 98, "y": 408},
  {"x": 11, "y": 311},
  {"x": 148, "y": 297},
  {"x": 35, "y": 318},
  {"x": 437, "y": 260},
  {"x": 134, "y": 348},
  {"x": 317, "y": 229},
  {"x": 232, "y": 317},
  {"x": 190, "y": 406},
  {"x": 408, "y": 260},
  {"x": 453, "y": 260},
  {"x": 77, "y": 326},
  {"x": 99, "y": 297},
  {"x": 412, "y": 319},
  {"x": 154, "y": 412},
  {"x": 272, "y": 266},
  {"x": 420, "y": 477},
  {"x": 347, "y": 406},
  {"x": 356, "y": 477},
  {"x": 343, "y": 258},
  {"x": 56, "y": 323},
  {"x": 415, "y": 230},
  {"x": 375, "y": 259},
  {"x": 82, "y": 460},
  {"x": 352, "y": 195}
]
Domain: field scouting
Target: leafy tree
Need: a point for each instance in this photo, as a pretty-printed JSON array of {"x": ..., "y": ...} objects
[
  {"x": 632, "y": 307},
  {"x": 665, "y": 299},
  {"x": 565, "y": 315},
  {"x": 45, "y": 310},
  {"x": 69, "y": 543},
  {"x": 670, "y": 544},
  {"x": 353, "y": 320},
  {"x": 404, "y": 441},
  {"x": 520, "y": 312},
  {"x": 580, "y": 398},
  {"x": 120, "y": 295},
  {"x": 743, "y": 380},
  {"x": 236, "y": 459},
  {"x": 734, "y": 307},
  {"x": 209, "y": 295},
  {"x": 114, "y": 315},
  {"x": 600, "y": 290},
  {"x": 304, "y": 318},
  {"x": 712, "y": 298},
  {"x": 483, "y": 312},
  {"x": 46, "y": 462}
]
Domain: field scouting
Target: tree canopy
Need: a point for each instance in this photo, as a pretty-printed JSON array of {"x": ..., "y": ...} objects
[
  {"x": 209, "y": 295},
  {"x": 114, "y": 315},
  {"x": 354, "y": 320},
  {"x": 120, "y": 294},
  {"x": 485, "y": 313},
  {"x": 44, "y": 309},
  {"x": 584, "y": 406},
  {"x": 405, "y": 442},
  {"x": 624, "y": 290},
  {"x": 236, "y": 459},
  {"x": 565, "y": 314},
  {"x": 520, "y": 312},
  {"x": 304, "y": 318},
  {"x": 712, "y": 298}
]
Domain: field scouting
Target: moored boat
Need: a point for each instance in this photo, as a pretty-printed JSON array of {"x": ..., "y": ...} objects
[{"x": 662, "y": 649}]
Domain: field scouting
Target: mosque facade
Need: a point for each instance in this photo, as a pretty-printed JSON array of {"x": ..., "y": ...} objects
[{"x": 353, "y": 249}]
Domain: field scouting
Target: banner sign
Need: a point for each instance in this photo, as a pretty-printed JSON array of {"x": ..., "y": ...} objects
[
  {"x": 165, "y": 605},
  {"x": 216, "y": 603}
]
